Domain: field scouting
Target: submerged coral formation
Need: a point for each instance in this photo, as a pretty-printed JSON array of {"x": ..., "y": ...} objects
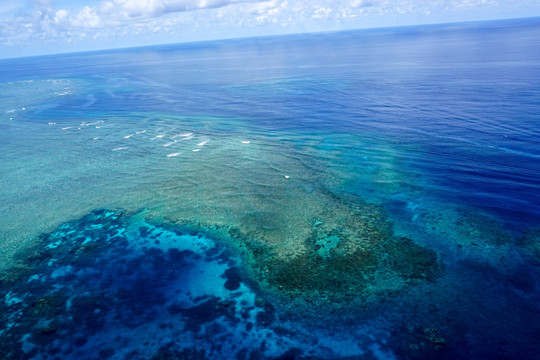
[
  {"x": 108, "y": 281},
  {"x": 529, "y": 246},
  {"x": 110, "y": 272},
  {"x": 468, "y": 227},
  {"x": 473, "y": 234},
  {"x": 349, "y": 256}
]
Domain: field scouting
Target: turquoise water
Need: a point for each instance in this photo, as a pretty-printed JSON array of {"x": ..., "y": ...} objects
[{"x": 368, "y": 194}]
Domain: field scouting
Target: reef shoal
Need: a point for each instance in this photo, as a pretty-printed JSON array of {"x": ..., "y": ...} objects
[{"x": 135, "y": 287}]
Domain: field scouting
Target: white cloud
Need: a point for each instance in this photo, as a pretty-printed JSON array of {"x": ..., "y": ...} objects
[
  {"x": 106, "y": 19},
  {"x": 151, "y": 8},
  {"x": 464, "y": 4},
  {"x": 321, "y": 13},
  {"x": 267, "y": 11},
  {"x": 360, "y": 3},
  {"x": 116, "y": 19},
  {"x": 86, "y": 18},
  {"x": 264, "y": 7},
  {"x": 60, "y": 16}
]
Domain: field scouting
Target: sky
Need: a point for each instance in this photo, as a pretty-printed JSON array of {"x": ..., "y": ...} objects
[{"x": 38, "y": 27}]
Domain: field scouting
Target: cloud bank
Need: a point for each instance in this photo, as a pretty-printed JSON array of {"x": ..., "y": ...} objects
[{"x": 96, "y": 20}]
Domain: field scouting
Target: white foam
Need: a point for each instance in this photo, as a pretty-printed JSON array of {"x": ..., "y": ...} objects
[
  {"x": 187, "y": 138},
  {"x": 169, "y": 144},
  {"x": 23, "y": 108},
  {"x": 97, "y": 127},
  {"x": 287, "y": 176},
  {"x": 173, "y": 154},
  {"x": 140, "y": 132},
  {"x": 128, "y": 136},
  {"x": 160, "y": 136},
  {"x": 195, "y": 150},
  {"x": 120, "y": 148},
  {"x": 67, "y": 127},
  {"x": 96, "y": 138},
  {"x": 203, "y": 143},
  {"x": 245, "y": 142},
  {"x": 185, "y": 135},
  {"x": 51, "y": 123}
]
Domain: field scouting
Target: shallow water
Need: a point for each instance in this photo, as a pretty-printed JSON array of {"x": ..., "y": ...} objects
[{"x": 366, "y": 194}]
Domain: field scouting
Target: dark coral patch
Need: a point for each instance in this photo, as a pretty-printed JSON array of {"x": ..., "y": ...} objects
[
  {"x": 410, "y": 260},
  {"x": 529, "y": 246},
  {"x": 233, "y": 278},
  {"x": 344, "y": 260}
]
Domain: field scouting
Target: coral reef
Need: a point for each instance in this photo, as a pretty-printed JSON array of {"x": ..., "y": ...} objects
[
  {"x": 115, "y": 272},
  {"x": 529, "y": 246},
  {"x": 349, "y": 255},
  {"x": 467, "y": 227}
]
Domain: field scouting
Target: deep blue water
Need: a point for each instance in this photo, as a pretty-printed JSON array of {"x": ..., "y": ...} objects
[{"x": 253, "y": 153}]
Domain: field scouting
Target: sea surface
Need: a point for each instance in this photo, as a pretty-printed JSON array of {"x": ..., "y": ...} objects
[{"x": 370, "y": 194}]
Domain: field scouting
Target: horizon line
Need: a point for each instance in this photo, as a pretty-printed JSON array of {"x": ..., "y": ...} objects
[{"x": 275, "y": 35}]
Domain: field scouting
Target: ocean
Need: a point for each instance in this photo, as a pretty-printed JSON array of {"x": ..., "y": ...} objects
[{"x": 367, "y": 194}]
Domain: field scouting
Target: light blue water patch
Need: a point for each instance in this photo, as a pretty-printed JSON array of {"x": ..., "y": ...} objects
[{"x": 326, "y": 244}]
